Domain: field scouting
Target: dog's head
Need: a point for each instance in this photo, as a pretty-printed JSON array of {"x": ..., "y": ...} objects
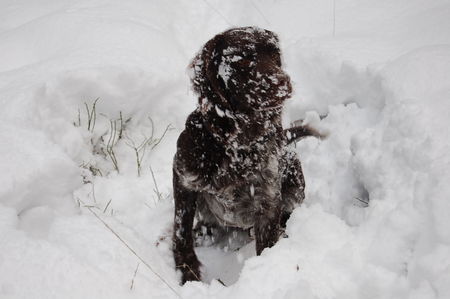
[{"x": 239, "y": 71}]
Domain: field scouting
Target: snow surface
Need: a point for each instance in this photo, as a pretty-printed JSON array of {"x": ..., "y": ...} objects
[{"x": 375, "y": 220}]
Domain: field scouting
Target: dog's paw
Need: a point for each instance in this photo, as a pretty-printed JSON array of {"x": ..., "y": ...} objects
[{"x": 203, "y": 236}]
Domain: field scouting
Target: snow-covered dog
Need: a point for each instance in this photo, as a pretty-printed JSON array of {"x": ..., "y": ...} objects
[{"x": 232, "y": 168}]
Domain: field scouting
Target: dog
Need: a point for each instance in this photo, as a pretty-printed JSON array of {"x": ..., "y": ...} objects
[{"x": 232, "y": 168}]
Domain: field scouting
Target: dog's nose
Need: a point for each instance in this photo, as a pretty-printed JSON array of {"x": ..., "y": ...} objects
[{"x": 283, "y": 82}]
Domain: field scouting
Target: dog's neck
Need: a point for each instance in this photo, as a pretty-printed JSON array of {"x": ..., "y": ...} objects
[{"x": 240, "y": 129}]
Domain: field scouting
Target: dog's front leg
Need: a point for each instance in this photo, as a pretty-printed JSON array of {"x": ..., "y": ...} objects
[
  {"x": 267, "y": 224},
  {"x": 183, "y": 244}
]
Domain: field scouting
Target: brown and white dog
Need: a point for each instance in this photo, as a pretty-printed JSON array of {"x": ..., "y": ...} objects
[{"x": 232, "y": 169}]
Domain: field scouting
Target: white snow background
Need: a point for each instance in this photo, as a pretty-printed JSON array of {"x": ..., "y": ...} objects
[{"x": 374, "y": 74}]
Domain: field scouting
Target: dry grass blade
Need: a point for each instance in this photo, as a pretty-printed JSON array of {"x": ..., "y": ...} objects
[
  {"x": 134, "y": 276},
  {"x": 131, "y": 250},
  {"x": 92, "y": 115},
  {"x": 162, "y": 136},
  {"x": 111, "y": 143},
  {"x": 107, "y": 205},
  {"x": 156, "y": 190}
]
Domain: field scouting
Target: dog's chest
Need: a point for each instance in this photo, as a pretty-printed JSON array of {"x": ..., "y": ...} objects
[{"x": 245, "y": 187}]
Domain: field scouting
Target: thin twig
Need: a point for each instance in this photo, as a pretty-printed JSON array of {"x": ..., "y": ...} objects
[
  {"x": 107, "y": 205},
  {"x": 219, "y": 280},
  {"x": 89, "y": 118},
  {"x": 121, "y": 125},
  {"x": 139, "y": 151},
  {"x": 162, "y": 136},
  {"x": 95, "y": 113},
  {"x": 156, "y": 190},
  {"x": 363, "y": 201},
  {"x": 111, "y": 143},
  {"x": 92, "y": 115},
  {"x": 134, "y": 276}
]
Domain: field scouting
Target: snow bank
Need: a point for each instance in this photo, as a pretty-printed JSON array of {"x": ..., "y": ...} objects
[{"x": 374, "y": 223}]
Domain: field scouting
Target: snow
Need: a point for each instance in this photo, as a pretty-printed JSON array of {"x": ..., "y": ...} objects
[{"x": 374, "y": 223}]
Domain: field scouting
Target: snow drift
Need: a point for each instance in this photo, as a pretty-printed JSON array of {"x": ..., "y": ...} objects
[{"x": 374, "y": 223}]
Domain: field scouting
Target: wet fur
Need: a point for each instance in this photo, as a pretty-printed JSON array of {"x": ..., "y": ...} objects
[{"x": 232, "y": 168}]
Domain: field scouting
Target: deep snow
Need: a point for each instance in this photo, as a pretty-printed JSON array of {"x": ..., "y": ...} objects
[{"x": 375, "y": 220}]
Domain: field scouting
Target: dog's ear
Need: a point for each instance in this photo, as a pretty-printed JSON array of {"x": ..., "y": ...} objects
[
  {"x": 205, "y": 72},
  {"x": 213, "y": 59},
  {"x": 197, "y": 73}
]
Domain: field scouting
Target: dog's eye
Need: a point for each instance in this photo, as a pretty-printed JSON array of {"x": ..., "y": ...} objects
[
  {"x": 269, "y": 58},
  {"x": 243, "y": 63},
  {"x": 277, "y": 60}
]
